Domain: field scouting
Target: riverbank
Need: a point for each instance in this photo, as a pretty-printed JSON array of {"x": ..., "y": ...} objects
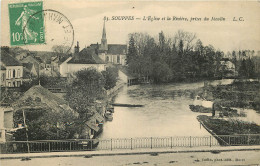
[
  {"x": 113, "y": 91},
  {"x": 240, "y": 94},
  {"x": 228, "y": 127},
  {"x": 231, "y": 132},
  {"x": 223, "y": 111}
]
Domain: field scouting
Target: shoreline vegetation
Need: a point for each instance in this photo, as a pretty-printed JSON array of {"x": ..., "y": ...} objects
[
  {"x": 239, "y": 94},
  {"x": 231, "y": 132},
  {"x": 228, "y": 127},
  {"x": 224, "y": 112}
]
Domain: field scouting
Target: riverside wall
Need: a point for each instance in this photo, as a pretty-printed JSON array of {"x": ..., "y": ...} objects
[{"x": 112, "y": 92}]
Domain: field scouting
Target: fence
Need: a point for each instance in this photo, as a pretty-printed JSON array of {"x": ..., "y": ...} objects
[{"x": 128, "y": 143}]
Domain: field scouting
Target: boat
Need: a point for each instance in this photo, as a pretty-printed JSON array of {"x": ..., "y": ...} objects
[
  {"x": 109, "y": 116},
  {"x": 127, "y": 105}
]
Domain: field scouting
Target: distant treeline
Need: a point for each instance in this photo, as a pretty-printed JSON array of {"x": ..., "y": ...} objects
[{"x": 184, "y": 58}]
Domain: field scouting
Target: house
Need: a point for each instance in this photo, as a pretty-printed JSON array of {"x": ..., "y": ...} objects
[
  {"x": 41, "y": 97},
  {"x": 13, "y": 70},
  {"x": 110, "y": 53},
  {"x": 94, "y": 125},
  {"x": 227, "y": 68},
  {"x": 30, "y": 69},
  {"x": 125, "y": 76},
  {"x": 38, "y": 97},
  {"x": 18, "y": 52},
  {"x": 2, "y": 76},
  {"x": 84, "y": 59},
  {"x": 31, "y": 59},
  {"x": 38, "y": 102},
  {"x": 21, "y": 55},
  {"x": 46, "y": 63}
]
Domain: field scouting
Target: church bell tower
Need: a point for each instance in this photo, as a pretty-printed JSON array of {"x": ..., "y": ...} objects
[{"x": 103, "y": 46}]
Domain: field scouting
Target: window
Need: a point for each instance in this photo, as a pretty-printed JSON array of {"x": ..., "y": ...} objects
[
  {"x": 18, "y": 83},
  {"x": 3, "y": 77},
  {"x": 107, "y": 59},
  {"x": 13, "y": 73},
  {"x": 9, "y": 73},
  {"x": 18, "y": 73},
  {"x": 9, "y": 84},
  {"x": 118, "y": 58}
]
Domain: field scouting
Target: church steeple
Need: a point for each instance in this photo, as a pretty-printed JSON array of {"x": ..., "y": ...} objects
[
  {"x": 103, "y": 46},
  {"x": 104, "y": 35}
]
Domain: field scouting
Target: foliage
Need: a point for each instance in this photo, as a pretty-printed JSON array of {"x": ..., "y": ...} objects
[
  {"x": 231, "y": 127},
  {"x": 161, "y": 72},
  {"x": 60, "y": 49},
  {"x": 183, "y": 57},
  {"x": 110, "y": 75},
  {"x": 44, "y": 124},
  {"x": 86, "y": 88},
  {"x": 132, "y": 51}
]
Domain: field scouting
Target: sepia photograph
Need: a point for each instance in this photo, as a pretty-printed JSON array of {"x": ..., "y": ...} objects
[{"x": 118, "y": 83}]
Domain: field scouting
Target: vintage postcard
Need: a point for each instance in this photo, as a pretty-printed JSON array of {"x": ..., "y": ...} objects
[{"x": 130, "y": 83}]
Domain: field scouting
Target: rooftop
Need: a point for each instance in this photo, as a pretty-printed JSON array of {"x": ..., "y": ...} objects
[
  {"x": 114, "y": 49},
  {"x": 8, "y": 60},
  {"x": 39, "y": 96},
  {"x": 86, "y": 56},
  {"x": 28, "y": 66},
  {"x": 2, "y": 67}
]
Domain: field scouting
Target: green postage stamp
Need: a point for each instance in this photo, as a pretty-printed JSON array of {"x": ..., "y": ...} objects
[{"x": 26, "y": 23}]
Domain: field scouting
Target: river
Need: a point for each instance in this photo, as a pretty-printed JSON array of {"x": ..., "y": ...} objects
[{"x": 165, "y": 113}]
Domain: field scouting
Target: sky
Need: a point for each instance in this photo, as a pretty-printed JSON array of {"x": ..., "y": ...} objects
[{"x": 86, "y": 18}]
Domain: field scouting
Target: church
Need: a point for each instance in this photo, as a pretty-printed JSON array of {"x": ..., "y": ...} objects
[
  {"x": 97, "y": 56},
  {"x": 110, "y": 53}
]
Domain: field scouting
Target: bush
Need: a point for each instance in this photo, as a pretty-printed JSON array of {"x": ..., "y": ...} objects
[{"x": 110, "y": 75}]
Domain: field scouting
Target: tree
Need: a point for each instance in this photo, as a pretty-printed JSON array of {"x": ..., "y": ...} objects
[
  {"x": 161, "y": 41},
  {"x": 110, "y": 76},
  {"x": 60, "y": 49},
  {"x": 187, "y": 39},
  {"x": 199, "y": 47},
  {"x": 250, "y": 68},
  {"x": 86, "y": 88},
  {"x": 161, "y": 72},
  {"x": 132, "y": 51},
  {"x": 44, "y": 124},
  {"x": 242, "y": 72},
  {"x": 183, "y": 55}
]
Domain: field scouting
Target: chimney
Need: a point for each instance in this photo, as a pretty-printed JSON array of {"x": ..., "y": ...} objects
[{"x": 76, "y": 48}]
